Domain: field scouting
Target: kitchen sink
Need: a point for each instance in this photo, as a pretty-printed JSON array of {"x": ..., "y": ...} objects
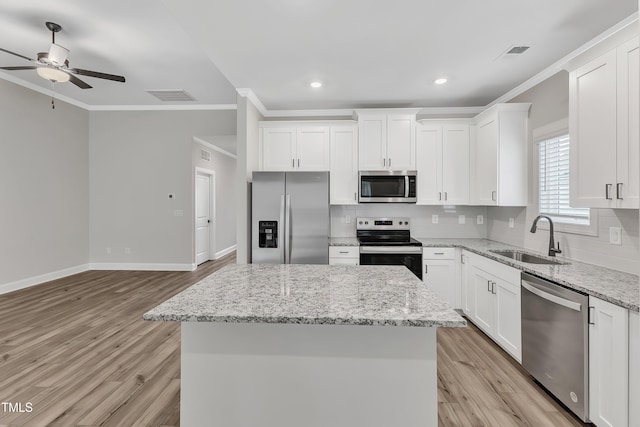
[{"x": 525, "y": 257}]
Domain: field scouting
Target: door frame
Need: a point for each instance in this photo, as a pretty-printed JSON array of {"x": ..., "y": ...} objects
[{"x": 212, "y": 211}]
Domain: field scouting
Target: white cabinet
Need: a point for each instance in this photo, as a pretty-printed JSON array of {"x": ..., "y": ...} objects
[
  {"x": 289, "y": 146},
  {"x": 439, "y": 272},
  {"x": 344, "y": 165},
  {"x": 344, "y": 255},
  {"x": 491, "y": 299},
  {"x": 603, "y": 127},
  {"x": 386, "y": 141},
  {"x": 634, "y": 368},
  {"x": 608, "y": 364},
  {"x": 499, "y": 156},
  {"x": 442, "y": 162}
]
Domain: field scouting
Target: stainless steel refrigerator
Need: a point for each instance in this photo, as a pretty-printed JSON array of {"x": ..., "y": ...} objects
[{"x": 290, "y": 218}]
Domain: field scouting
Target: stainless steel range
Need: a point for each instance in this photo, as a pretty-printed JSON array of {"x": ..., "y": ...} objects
[{"x": 388, "y": 241}]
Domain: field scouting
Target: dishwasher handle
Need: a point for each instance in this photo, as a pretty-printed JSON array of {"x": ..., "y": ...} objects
[{"x": 550, "y": 297}]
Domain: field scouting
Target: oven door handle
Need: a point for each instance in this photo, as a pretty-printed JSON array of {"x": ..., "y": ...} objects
[
  {"x": 549, "y": 297},
  {"x": 390, "y": 249}
]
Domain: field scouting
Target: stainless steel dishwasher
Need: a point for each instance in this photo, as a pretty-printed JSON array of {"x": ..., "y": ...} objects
[{"x": 555, "y": 341}]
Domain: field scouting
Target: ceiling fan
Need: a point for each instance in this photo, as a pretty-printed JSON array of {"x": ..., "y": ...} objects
[{"x": 54, "y": 65}]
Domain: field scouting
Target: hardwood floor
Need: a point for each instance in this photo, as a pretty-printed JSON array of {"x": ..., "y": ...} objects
[{"x": 79, "y": 352}]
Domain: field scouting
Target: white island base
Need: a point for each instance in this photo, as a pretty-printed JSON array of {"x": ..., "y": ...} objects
[{"x": 307, "y": 375}]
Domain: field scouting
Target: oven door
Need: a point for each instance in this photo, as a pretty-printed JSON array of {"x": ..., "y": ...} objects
[{"x": 409, "y": 256}]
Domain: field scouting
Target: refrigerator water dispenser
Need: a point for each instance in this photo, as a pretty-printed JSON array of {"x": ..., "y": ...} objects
[{"x": 268, "y": 234}]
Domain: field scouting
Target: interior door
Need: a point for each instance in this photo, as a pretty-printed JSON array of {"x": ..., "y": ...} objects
[{"x": 203, "y": 218}]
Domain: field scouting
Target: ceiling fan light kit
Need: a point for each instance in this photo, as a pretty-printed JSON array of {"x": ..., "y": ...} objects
[{"x": 54, "y": 64}]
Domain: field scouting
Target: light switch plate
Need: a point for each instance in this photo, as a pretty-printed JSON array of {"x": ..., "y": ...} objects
[
  {"x": 480, "y": 219},
  {"x": 512, "y": 222},
  {"x": 462, "y": 219},
  {"x": 178, "y": 212},
  {"x": 434, "y": 219},
  {"x": 615, "y": 235}
]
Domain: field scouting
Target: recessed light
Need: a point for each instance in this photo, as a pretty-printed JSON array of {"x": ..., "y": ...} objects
[
  {"x": 316, "y": 85},
  {"x": 440, "y": 81}
]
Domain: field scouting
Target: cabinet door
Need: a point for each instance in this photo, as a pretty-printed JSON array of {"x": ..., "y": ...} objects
[
  {"x": 312, "y": 148},
  {"x": 439, "y": 276},
  {"x": 372, "y": 142},
  {"x": 343, "y": 175},
  {"x": 429, "y": 164},
  {"x": 455, "y": 164},
  {"x": 344, "y": 261},
  {"x": 508, "y": 317},
  {"x": 592, "y": 129},
  {"x": 278, "y": 149},
  {"x": 401, "y": 142},
  {"x": 608, "y": 364},
  {"x": 628, "y": 144},
  {"x": 486, "y": 163},
  {"x": 484, "y": 299},
  {"x": 467, "y": 294}
]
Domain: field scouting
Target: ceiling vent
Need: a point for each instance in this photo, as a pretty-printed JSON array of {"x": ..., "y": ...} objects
[
  {"x": 517, "y": 50},
  {"x": 171, "y": 95}
]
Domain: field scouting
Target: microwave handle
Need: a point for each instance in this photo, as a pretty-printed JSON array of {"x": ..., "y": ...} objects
[{"x": 406, "y": 186}]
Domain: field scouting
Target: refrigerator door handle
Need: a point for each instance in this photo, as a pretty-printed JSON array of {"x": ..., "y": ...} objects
[
  {"x": 287, "y": 230},
  {"x": 280, "y": 239}
]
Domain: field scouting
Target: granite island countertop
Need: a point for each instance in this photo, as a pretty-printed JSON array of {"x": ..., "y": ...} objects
[{"x": 310, "y": 294}]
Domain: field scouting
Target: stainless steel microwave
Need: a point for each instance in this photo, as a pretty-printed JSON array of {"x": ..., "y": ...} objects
[{"x": 387, "y": 186}]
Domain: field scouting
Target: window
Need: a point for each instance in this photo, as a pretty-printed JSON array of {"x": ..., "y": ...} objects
[
  {"x": 553, "y": 182},
  {"x": 553, "y": 185}
]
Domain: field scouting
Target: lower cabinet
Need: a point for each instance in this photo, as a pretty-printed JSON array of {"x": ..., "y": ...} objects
[
  {"x": 344, "y": 255},
  {"x": 608, "y": 364},
  {"x": 439, "y": 272},
  {"x": 634, "y": 368},
  {"x": 491, "y": 300}
]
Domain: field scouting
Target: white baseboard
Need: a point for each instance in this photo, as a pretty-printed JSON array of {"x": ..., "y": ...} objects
[
  {"x": 47, "y": 277},
  {"x": 149, "y": 266},
  {"x": 225, "y": 251}
]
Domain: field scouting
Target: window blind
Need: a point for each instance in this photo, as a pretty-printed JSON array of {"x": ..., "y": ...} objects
[{"x": 553, "y": 193}]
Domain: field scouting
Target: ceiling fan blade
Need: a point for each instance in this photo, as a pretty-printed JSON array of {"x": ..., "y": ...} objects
[
  {"x": 97, "y": 74},
  {"x": 76, "y": 81},
  {"x": 16, "y": 54},
  {"x": 18, "y": 68}
]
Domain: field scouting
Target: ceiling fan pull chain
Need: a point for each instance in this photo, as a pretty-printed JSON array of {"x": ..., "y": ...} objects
[{"x": 53, "y": 93}]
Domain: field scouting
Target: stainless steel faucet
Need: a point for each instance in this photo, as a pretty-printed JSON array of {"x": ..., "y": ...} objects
[{"x": 552, "y": 249}]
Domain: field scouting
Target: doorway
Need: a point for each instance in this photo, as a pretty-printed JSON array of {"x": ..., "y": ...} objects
[{"x": 204, "y": 215}]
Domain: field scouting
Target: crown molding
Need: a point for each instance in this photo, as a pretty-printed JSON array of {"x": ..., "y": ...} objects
[
  {"x": 248, "y": 93},
  {"x": 48, "y": 92},
  {"x": 203, "y": 107},
  {"x": 214, "y": 147}
]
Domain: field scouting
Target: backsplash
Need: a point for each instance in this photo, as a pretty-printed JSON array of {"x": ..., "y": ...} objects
[
  {"x": 421, "y": 219},
  {"x": 590, "y": 249}
]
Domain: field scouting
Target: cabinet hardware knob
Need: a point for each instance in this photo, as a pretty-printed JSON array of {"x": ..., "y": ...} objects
[
  {"x": 591, "y": 319},
  {"x": 607, "y": 189},
  {"x": 488, "y": 285},
  {"x": 384, "y": 161},
  {"x": 445, "y": 196},
  {"x": 493, "y": 288},
  {"x": 298, "y": 162},
  {"x": 493, "y": 195},
  {"x": 389, "y": 161},
  {"x": 439, "y": 195},
  {"x": 619, "y": 191}
]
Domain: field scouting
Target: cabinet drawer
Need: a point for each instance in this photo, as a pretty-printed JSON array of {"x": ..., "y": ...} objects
[
  {"x": 344, "y": 252},
  {"x": 344, "y": 261},
  {"x": 438, "y": 253}
]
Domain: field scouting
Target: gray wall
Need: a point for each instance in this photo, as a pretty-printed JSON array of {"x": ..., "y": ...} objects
[
  {"x": 137, "y": 158},
  {"x": 44, "y": 185},
  {"x": 225, "y": 194},
  {"x": 550, "y": 101}
]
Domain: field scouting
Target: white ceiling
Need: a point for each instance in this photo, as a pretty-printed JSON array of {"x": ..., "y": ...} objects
[{"x": 368, "y": 53}]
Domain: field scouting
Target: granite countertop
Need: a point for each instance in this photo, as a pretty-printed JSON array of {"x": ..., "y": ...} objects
[
  {"x": 310, "y": 294},
  {"x": 343, "y": 241},
  {"x": 614, "y": 286}
]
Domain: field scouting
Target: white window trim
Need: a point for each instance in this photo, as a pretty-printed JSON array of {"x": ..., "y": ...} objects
[{"x": 542, "y": 133}]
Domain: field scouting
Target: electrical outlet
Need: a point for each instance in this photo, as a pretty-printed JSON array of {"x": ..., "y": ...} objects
[
  {"x": 127, "y": 251},
  {"x": 462, "y": 219},
  {"x": 178, "y": 212},
  {"x": 480, "y": 220},
  {"x": 434, "y": 219},
  {"x": 512, "y": 222},
  {"x": 347, "y": 219},
  {"x": 615, "y": 236}
]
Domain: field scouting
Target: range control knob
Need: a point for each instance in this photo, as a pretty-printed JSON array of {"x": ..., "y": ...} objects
[{"x": 360, "y": 222}]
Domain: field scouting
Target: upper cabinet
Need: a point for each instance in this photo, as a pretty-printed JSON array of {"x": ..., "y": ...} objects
[
  {"x": 442, "y": 162},
  {"x": 290, "y": 146},
  {"x": 603, "y": 127},
  {"x": 499, "y": 156},
  {"x": 386, "y": 141},
  {"x": 344, "y": 165}
]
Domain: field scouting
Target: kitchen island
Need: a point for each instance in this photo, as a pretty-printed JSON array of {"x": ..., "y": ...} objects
[{"x": 308, "y": 345}]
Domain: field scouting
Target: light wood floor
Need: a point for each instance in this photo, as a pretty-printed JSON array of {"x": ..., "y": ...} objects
[{"x": 78, "y": 351}]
